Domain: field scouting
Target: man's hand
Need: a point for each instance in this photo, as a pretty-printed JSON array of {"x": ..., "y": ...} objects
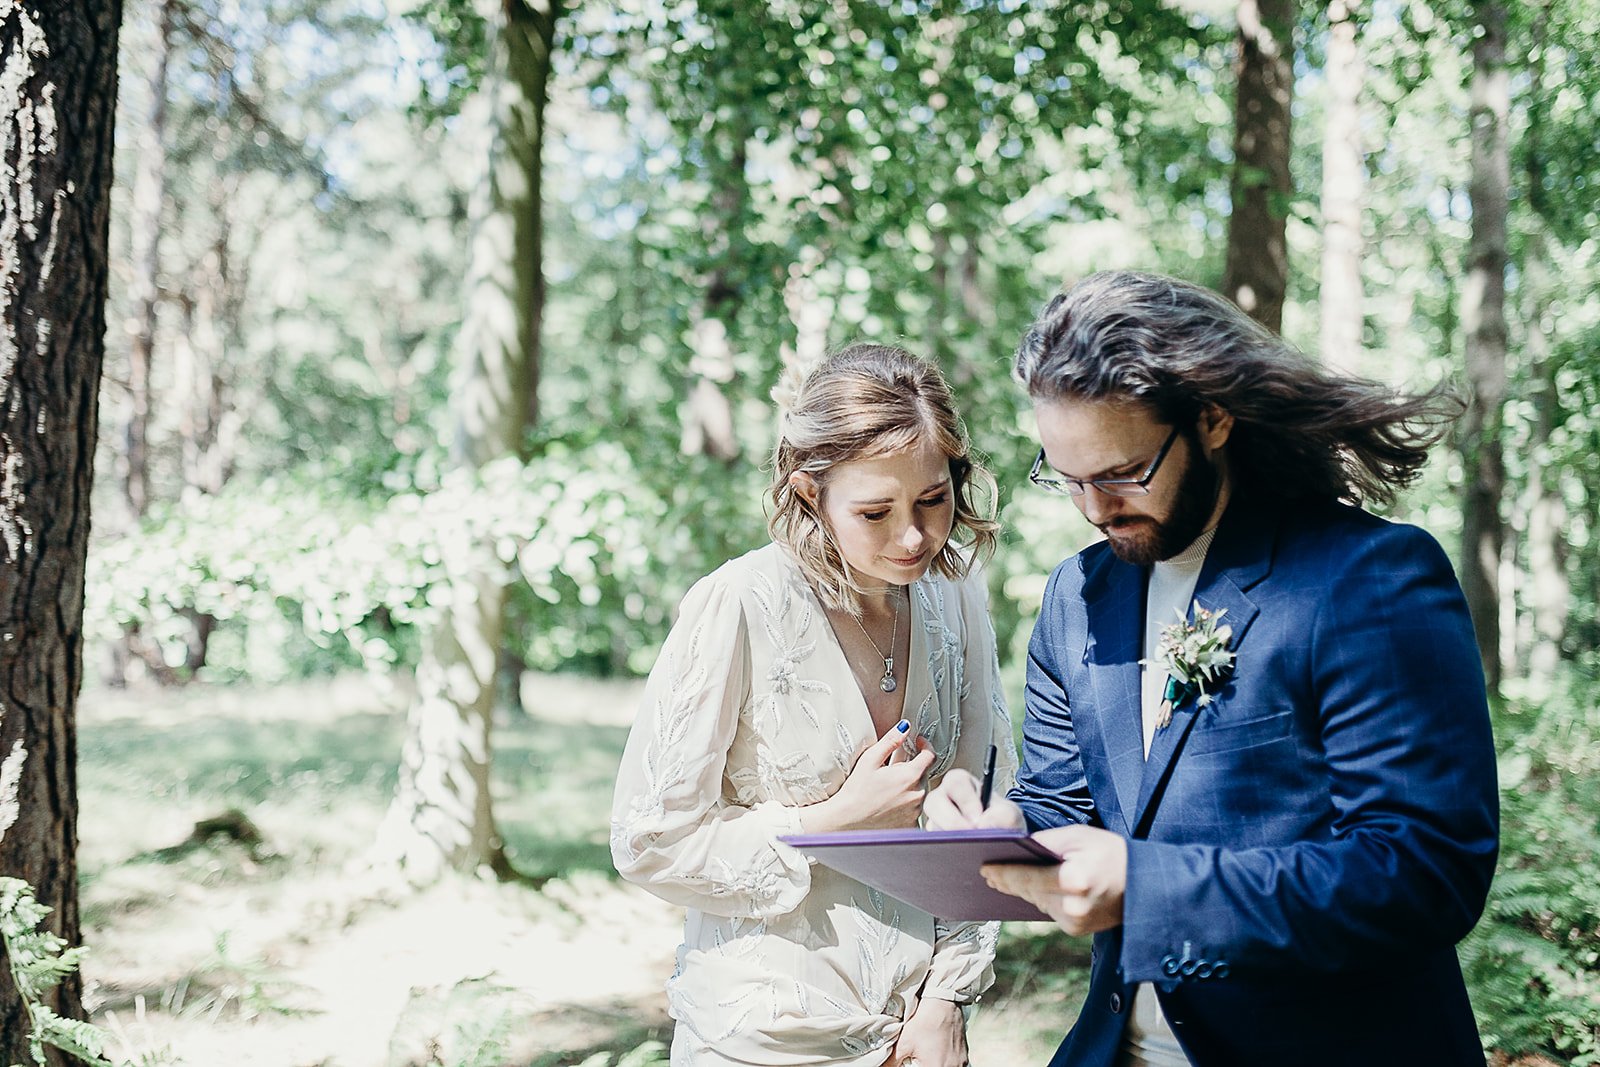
[
  {"x": 1083, "y": 894},
  {"x": 934, "y": 1036},
  {"x": 955, "y": 806}
]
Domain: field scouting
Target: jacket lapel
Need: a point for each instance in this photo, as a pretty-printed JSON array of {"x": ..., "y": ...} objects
[
  {"x": 1239, "y": 558},
  {"x": 1115, "y": 606}
]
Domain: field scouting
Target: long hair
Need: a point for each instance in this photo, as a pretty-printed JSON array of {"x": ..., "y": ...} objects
[
  {"x": 1176, "y": 347},
  {"x": 867, "y": 401}
]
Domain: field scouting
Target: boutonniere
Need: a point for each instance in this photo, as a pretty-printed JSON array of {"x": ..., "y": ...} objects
[{"x": 1196, "y": 658}]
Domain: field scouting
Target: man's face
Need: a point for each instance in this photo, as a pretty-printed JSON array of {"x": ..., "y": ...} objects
[{"x": 1088, "y": 439}]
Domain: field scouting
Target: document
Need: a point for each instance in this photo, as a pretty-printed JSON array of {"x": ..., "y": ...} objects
[{"x": 935, "y": 870}]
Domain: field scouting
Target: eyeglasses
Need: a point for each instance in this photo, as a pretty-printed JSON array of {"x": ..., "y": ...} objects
[{"x": 1139, "y": 486}]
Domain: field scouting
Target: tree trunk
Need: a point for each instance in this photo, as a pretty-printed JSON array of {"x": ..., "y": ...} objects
[
  {"x": 1547, "y": 597},
  {"x": 211, "y": 312},
  {"x": 1343, "y": 177},
  {"x": 708, "y": 425},
  {"x": 810, "y": 312},
  {"x": 149, "y": 195},
  {"x": 59, "y": 89},
  {"x": 442, "y": 816},
  {"x": 1484, "y": 325},
  {"x": 1257, "y": 273},
  {"x": 938, "y": 326}
]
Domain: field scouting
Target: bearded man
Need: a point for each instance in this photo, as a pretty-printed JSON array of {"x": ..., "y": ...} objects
[{"x": 1256, "y": 726}]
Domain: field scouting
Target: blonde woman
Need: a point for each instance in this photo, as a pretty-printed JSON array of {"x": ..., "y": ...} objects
[{"x": 823, "y": 682}]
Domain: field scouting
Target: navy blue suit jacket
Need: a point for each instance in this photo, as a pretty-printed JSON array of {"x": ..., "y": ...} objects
[{"x": 1306, "y": 849}]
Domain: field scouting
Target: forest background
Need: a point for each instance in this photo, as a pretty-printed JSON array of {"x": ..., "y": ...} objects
[{"x": 441, "y": 336}]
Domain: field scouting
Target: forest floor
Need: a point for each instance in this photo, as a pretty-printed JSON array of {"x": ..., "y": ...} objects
[{"x": 291, "y": 953}]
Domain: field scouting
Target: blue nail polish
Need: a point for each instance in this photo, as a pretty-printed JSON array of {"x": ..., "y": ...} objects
[{"x": 903, "y": 725}]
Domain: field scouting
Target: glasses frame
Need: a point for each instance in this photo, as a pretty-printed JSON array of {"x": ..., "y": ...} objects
[{"x": 1124, "y": 487}]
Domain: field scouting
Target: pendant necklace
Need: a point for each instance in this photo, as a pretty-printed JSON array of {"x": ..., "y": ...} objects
[{"x": 887, "y": 683}]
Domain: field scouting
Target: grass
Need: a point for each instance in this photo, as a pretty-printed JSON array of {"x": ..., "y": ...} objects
[{"x": 289, "y": 953}]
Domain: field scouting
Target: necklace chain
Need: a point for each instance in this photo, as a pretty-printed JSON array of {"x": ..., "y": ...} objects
[{"x": 887, "y": 683}]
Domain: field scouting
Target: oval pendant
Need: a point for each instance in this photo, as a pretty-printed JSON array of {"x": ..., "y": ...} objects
[{"x": 888, "y": 685}]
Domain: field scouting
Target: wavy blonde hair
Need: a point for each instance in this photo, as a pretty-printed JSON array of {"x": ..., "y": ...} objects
[{"x": 866, "y": 401}]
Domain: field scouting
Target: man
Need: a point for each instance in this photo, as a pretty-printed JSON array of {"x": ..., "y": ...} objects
[{"x": 1256, "y": 729}]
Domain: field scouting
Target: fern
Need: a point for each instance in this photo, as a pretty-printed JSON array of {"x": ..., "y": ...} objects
[{"x": 39, "y": 960}]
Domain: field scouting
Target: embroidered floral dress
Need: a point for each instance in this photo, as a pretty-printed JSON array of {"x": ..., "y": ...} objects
[{"x": 750, "y": 714}]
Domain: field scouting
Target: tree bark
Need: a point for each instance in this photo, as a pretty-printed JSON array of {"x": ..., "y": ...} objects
[
  {"x": 708, "y": 424},
  {"x": 1343, "y": 178},
  {"x": 58, "y": 63},
  {"x": 1257, "y": 272},
  {"x": 1484, "y": 325},
  {"x": 211, "y": 312},
  {"x": 1547, "y": 597},
  {"x": 442, "y": 815},
  {"x": 149, "y": 196}
]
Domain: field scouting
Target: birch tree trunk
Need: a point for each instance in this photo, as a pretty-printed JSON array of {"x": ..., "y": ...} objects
[
  {"x": 58, "y": 61},
  {"x": 442, "y": 815},
  {"x": 1257, "y": 273},
  {"x": 1343, "y": 179},
  {"x": 1484, "y": 325}
]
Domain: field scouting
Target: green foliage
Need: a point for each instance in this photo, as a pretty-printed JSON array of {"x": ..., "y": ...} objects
[
  {"x": 648, "y": 1054},
  {"x": 39, "y": 961},
  {"x": 583, "y": 540},
  {"x": 468, "y": 1025},
  {"x": 1533, "y": 963}
]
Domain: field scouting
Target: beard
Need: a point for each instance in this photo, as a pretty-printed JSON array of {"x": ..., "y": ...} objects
[{"x": 1142, "y": 540}]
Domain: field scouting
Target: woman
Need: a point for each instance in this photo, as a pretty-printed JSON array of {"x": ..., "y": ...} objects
[{"x": 823, "y": 683}]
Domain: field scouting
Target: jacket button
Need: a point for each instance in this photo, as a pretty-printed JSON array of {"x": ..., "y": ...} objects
[
  {"x": 1170, "y": 965},
  {"x": 1116, "y": 1003}
]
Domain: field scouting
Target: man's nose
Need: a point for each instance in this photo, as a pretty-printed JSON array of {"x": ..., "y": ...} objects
[{"x": 1098, "y": 507}]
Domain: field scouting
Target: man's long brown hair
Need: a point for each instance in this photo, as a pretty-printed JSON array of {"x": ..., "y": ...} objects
[{"x": 1176, "y": 348}]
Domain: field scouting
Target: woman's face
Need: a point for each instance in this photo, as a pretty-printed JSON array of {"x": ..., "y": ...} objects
[{"x": 889, "y": 515}]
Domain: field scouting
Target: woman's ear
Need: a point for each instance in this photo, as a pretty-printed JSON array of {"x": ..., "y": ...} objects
[{"x": 806, "y": 487}]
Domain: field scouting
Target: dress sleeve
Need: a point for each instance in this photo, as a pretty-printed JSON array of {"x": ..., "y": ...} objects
[
  {"x": 963, "y": 953},
  {"x": 672, "y": 829}
]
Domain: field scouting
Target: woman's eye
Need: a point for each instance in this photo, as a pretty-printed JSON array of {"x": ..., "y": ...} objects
[
  {"x": 874, "y": 516},
  {"x": 934, "y": 501}
]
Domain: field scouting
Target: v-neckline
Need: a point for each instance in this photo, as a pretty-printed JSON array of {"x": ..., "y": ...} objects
[{"x": 916, "y": 657}]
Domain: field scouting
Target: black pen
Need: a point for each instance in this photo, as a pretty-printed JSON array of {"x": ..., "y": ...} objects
[{"x": 988, "y": 777}]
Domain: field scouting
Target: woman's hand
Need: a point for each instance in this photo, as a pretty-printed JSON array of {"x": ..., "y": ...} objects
[
  {"x": 956, "y": 805},
  {"x": 884, "y": 788},
  {"x": 934, "y": 1036}
]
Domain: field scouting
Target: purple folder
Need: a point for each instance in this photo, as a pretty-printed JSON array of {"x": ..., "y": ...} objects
[{"x": 935, "y": 870}]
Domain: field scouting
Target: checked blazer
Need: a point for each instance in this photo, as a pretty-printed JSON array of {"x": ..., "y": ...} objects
[{"x": 1305, "y": 849}]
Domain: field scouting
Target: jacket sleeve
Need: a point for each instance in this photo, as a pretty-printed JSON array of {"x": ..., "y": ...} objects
[
  {"x": 963, "y": 952},
  {"x": 1051, "y": 787},
  {"x": 1408, "y": 762},
  {"x": 672, "y": 830}
]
